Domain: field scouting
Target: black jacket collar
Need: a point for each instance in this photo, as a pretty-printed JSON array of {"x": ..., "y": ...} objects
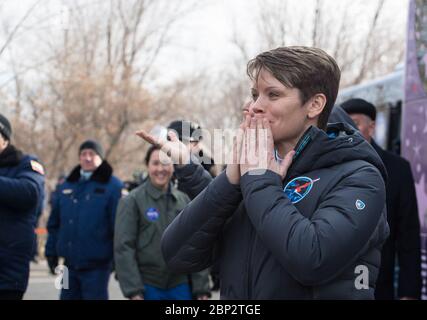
[
  {"x": 318, "y": 149},
  {"x": 10, "y": 156},
  {"x": 102, "y": 174},
  {"x": 377, "y": 148}
]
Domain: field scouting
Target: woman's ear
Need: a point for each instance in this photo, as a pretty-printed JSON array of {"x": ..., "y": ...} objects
[{"x": 316, "y": 105}]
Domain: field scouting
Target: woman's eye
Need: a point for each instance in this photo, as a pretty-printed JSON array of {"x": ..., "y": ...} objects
[
  {"x": 254, "y": 96},
  {"x": 273, "y": 95}
]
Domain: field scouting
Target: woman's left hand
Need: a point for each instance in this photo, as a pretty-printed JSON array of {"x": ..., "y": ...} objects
[{"x": 258, "y": 150}]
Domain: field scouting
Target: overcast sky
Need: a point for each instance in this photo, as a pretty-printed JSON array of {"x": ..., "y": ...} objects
[{"x": 201, "y": 41}]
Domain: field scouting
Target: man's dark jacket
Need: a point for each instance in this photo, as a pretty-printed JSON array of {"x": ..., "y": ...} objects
[
  {"x": 81, "y": 224},
  {"x": 404, "y": 241},
  {"x": 21, "y": 197}
]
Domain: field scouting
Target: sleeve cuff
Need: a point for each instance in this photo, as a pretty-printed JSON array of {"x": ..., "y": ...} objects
[
  {"x": 184, "y": 171},
  {"x": 231, "y": 193},
  {"x": 268, "y": 177}
]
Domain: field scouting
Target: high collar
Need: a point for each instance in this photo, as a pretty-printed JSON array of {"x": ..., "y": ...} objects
[
  {"x": 341, "y": 143},
  {"x": 102, "y": 174},
  {"x": 10, "y": 156},
  {"x": 156, "y": 193}
]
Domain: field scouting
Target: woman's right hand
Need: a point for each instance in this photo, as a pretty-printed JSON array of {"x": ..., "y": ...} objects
[
  {"x": 233, "y": 170},
  {"x": 178, "y": 151}
]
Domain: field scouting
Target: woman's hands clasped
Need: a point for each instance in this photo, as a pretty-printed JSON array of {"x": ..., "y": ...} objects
[{"x": 253, "y": 151}]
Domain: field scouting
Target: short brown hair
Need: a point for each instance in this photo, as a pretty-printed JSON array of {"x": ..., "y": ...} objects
[{"x": 311, "y": 70}]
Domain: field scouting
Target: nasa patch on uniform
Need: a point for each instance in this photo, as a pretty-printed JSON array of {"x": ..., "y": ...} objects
[
  {"x": 298, "y": 188},
  {"x": 360, "y": 205},
  {"x": 37, "y": 167},
  {"x": 152, "y": 214}
]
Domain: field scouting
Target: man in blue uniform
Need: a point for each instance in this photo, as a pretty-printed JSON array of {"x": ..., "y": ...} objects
[
  {"x": 81, "y": 225},
  {"x": 21, "y": 194}
]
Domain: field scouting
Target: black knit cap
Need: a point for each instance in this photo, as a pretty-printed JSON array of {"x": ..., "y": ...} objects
[
  {"x": 5, "y": 127},
  {"x": 188, "y": 127},
  {"x": 93, "y": 145},
  {"x": 360, "y": 106}
]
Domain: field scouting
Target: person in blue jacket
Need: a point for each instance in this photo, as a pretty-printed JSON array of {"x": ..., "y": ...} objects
[
  {"x": 21, "y": 194},
  {"x": 81, "y": 225}
]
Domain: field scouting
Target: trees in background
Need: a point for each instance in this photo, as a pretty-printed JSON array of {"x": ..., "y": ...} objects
[
  {"x": 92, "y": 82},
  {"x": 90, "y": 76},
  {"x": 366, "y": 39}
]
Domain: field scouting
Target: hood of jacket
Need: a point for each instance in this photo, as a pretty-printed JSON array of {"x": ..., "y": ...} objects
[
  {"x": 338, "y": 114},
  {"x": 318, "y": 149}
]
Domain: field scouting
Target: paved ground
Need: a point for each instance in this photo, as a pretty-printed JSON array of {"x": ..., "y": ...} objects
[{"x": 42, "y": 285}]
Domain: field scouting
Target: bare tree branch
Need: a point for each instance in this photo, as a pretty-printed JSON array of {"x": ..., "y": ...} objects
[
  {"x": 18, "y": 25},
  {"x": 364, "y": 65},
  {"x": 316, "y": 24}
]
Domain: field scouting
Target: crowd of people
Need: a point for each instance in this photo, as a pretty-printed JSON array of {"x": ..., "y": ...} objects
[{"x": 321, "y": 201}]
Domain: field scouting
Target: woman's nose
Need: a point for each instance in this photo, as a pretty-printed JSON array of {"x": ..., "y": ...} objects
[{"x": 256, "y": 108}]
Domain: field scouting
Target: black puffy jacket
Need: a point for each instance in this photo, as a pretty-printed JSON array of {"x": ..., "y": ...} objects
[{"x": 306, "y": 237}]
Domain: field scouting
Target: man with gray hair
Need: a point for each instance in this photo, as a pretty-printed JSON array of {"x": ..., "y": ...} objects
[{"x": 81, "y": 225}]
